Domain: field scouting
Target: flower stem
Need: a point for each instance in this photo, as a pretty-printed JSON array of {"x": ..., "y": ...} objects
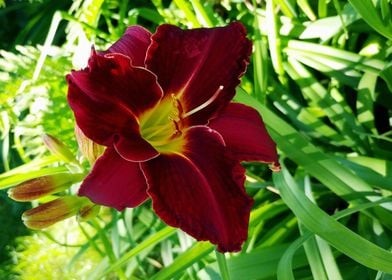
[
  {"x": 108, "y": 248},
  {"x": 221, "y": 259}
]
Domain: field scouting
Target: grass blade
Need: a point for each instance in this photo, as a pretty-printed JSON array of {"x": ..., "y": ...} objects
[
  {"x": 274, "y": 41},
  {"x": 373, "y": 17},
  {"x": 189, "y": 14},
  {"x": 317, "y": 221},
  {"x": 148, "y": 242},
  {"x": 325, "y": 168}
]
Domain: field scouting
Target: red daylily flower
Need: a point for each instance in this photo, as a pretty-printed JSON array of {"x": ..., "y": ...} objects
[{"x": 160, "y": 104}]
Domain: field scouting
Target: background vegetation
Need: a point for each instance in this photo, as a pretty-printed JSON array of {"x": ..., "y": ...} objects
[{"x": 320, "y": 75}]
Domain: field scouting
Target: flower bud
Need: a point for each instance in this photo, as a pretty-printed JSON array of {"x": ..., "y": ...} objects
[
  {"x": 54, "y": 211},
  {"x": 89, "y": 149},
  {"x": 88, "y": 212},
  {"x": 58, "y": 148},
  {"x": 43, "y": 186},
  {"x": 275, "y": 167}
]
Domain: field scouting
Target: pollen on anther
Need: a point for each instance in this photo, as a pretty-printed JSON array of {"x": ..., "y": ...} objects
[
  {"x": 177, "y": 105},
  {"x": 177, "y": 130}
]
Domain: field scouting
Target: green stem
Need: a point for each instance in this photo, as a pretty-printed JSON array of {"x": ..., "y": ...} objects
[
  {"x": 222, "y": 265},
  {"x": 108, "y": 248}
]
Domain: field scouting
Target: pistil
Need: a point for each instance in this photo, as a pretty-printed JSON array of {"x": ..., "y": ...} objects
[
  {"x": 163, "y": 126},
  {"x": 205, "y": 104}
]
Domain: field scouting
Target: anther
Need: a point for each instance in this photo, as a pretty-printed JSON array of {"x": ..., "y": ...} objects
[
  {"x": 177, "y": 105},
  {"x": 177, "y": 126},
  {"x": 178, "y": 131}
]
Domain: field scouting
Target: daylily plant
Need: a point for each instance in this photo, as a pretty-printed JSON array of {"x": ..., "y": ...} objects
[{"x": 161, "y": 105}]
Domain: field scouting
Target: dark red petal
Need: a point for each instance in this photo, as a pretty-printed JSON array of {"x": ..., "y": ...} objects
[
  {"x": 198, "y": 62},
  {"x": 115, "y": 182},
  {"x": 112, "y": 79},
  {"x": 244, "y": 133},
  {"x": 131, "y": 146},
  {"x": 201, "y": 191},
  {"x": 108, "y": 124},
  {"x": 99, "y": 120},
  {"x": 134, "y": 44}
]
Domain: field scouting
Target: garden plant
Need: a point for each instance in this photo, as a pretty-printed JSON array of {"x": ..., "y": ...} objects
[{"x": 201, "y": 139}]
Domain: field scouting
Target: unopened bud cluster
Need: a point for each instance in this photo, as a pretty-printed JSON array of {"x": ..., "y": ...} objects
[
  {"x": 65, "y": 206},
  {"x": 43, "y": 186},
  {"x": 58, "y": 148},
  {"x": 57, "y": 210}
]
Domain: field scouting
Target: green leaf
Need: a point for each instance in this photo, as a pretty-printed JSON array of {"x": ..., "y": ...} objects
[
  {"x": 319, "y": 253},
  {"x": 285, "y": 269},
  {"x": 328, "y": 27},
  {"x": 373, "y": 17},
  {"x": 339, "y": 236},
  {"x": 274, "y": 41},
  {"x": 261, "y": 263},
  {"x": 307, "y": 9},
  {"x": 148, "y": 242},
  {"x": 186, "y": 9},
  {"x": 331, "y": 102},
  {"x": 22, "y": 177},
  {"x": 386, "y": 74},
  {"x": 260, "y": 61},
  {"x": 304, "y": 119},
  {"x": 204, "y": 13},
  {"x": 335, "y": 58},
  {"x": 315, "y": 162},
  {"x": 287, "y": 8},
  {"x": 190, "y": 256}
]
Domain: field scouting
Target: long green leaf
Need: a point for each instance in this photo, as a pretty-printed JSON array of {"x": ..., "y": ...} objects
[
  {"x": 22, "y": 177},
  {"x": 332, "y": 103},
  {"x": 186, "y": 9},
  {"x": 373, "y": 17},
  {"x": 262, "y": 263},
  {"x": 274, "y": 40},
  {"x": 148, "y": 242},
  {"x": 190, "y": 256},
  {"x": 298, "y": 148},
  {"x": 318, "y": 251},
  {"x": 285, "y": 267},
  {"x": 336, "y": 58},
  {"x": 317, "y": 221},
  {"x": 325, "y": 168}
]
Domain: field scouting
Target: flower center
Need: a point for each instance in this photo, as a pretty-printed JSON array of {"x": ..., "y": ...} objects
[{"x": 162, "y": 126}]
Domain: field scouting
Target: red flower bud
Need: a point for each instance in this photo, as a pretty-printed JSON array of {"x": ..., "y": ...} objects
[
  {"x": 89, "y": 149},
  {"x": 54, "y": 211},
  {"x": 46, "y": 185},
  {"x": 88, "y": 212},
  {"x": 58, "y": 148}
]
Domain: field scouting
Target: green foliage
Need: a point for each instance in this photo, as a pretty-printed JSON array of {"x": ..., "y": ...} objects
[
  {"x": 11, "y": 226},
  {"x": 26, "y": 22},
  {"x": 48, "y": 256},
  {"x": 29, "y": 106},
  {"x": 320, "y": 76}
]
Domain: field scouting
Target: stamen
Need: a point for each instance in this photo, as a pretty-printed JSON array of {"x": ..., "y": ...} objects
[
  {"x": 178, "y": 106},
  {"x": 205, "y": 104},
  {"x": 155, "y": 130},
  {"x": 177, "y": 126},
  {"x": 176, "y": 116}
]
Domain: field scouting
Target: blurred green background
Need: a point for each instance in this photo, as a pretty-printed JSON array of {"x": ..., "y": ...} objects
[{"x": 321, "y": 77}]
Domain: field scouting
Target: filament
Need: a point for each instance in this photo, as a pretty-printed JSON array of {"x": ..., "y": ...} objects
[{"x": 205, "y": 104}]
